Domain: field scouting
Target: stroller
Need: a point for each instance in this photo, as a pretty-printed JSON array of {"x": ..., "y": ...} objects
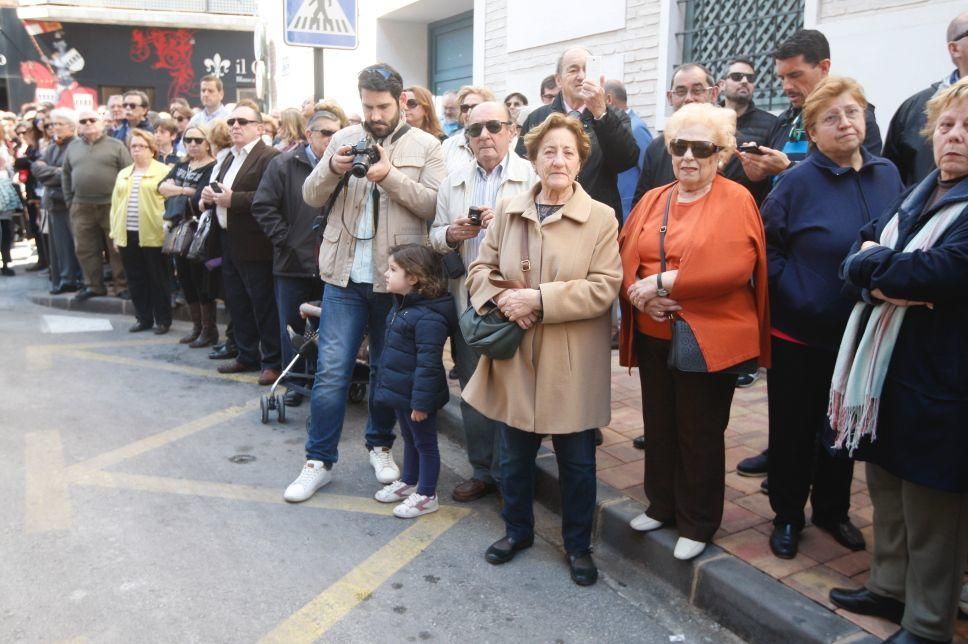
[{"x": 306, "y": 346}]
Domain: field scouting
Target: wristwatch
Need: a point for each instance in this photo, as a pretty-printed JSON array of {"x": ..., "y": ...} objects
[{"x": 660, "y": 291}]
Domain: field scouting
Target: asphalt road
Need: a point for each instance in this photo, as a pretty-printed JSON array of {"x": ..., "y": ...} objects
[{"x": 142, "y": 502}]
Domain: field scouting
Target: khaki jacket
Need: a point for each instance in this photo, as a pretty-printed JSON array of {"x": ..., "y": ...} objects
[
  {"x": 559, "y": 381},
  {"x": 151, "y": 206},
  {"x": 408, "y": 200},
  {"x": 455, "y": 197}
]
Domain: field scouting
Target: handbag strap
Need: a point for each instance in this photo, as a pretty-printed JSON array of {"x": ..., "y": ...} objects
[
  {"x": 662, "y": 234},
  {"x": 525, "y": 263}
]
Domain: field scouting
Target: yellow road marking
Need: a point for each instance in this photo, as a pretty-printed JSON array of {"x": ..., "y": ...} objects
[
  {"x": 47, "y": 504},
  {"x": 252, "y": 493},
  {"x": 153, "y": 364},
  {"x": 312, "y": 621},
  {"x": 160, "y": 439}
]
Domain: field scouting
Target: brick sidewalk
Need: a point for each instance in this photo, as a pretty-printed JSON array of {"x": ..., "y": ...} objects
[{"x": 821, "y": 564}]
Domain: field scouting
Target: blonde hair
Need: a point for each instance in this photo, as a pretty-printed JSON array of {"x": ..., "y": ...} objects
[
  {"x": 292, "y": 125},
  {"x": 219, "y": 135},
  {"x": 331, "y": 106},
  {"x": 720, "y": 120},
  {"x": 956, "y": 93},
  {"x": 467, "y": 90},
  {"x": 827, "y": 90},
  {"x": 145, "y": 136},
  {"x": 205, "y": 135},
  {"x": 556, "y": 120}
]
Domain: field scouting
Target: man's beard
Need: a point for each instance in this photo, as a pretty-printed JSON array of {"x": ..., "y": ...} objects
[
  {"x": 741, "y": 99},
  {"x": 386, "y": 128}
]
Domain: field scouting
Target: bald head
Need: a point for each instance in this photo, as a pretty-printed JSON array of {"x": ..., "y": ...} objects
[
  {"x": 957, "y": 36},
  {"x": 958, "y": 26}
]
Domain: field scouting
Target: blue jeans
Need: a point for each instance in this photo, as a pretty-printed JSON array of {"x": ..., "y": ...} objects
[
  {"x": 576, "y": 480},
  {"x": 290, "y": 293},
  {"x": 421, "y": 456},
  {"x": 347, "y": 312}
]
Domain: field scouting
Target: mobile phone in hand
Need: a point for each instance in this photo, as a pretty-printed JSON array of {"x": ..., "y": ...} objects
[
  {"x": 751, "y": 147},
  {"x": 215, "y": 187}
]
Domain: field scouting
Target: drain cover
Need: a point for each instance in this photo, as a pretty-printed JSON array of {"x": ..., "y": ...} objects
[{"x": 242, "y": 459}]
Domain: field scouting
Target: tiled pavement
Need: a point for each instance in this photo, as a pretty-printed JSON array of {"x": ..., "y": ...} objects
[{"x": 821, "y": 563}]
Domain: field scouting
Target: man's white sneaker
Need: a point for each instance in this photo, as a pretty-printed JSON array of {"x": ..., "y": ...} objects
[
  {"x": 415, "y": 505},
  {"x": 395, "y": 492},
  {"x": 313, "y": 476},
  {"x": 382, "y": 461},
  {"x": 688, "y": 549},
  {"x": 644, "y": 523}
]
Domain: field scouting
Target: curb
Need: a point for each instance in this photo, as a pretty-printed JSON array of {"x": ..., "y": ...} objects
[
  {"x": 110, "y": 305},
  {"x": 747, "y": 601}
]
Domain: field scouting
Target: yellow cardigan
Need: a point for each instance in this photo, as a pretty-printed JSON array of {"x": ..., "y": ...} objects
[{"x": 151, "y": 206}]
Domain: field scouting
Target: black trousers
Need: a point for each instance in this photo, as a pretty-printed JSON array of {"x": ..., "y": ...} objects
[
  {"x": 685, "y": 416},
  {"x": 191, "y": 276},
  {"x": 798, "y": 386},
  {"x": 6, "y": 240},
  {"x": 250, "y": 297},
  {"x": 147, "y": 281}
]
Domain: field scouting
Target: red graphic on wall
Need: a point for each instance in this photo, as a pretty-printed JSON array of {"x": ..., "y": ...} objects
[{"x": 173, "y": 49}]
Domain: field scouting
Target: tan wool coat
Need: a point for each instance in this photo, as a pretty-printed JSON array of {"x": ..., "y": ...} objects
[{"x": 559, "y": 381}]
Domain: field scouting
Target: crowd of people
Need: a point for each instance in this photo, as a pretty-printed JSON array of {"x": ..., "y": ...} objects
[{"x": 732, "y": 241}]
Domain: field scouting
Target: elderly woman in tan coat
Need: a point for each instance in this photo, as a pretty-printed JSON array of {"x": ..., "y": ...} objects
[{"x": 558, "y": 381}]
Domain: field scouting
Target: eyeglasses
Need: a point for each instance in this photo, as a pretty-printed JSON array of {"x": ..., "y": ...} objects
[
  {"x": 475, "y": 129},
  {"x": 193, "y": 139},
  {"x": 181, "y": 118},
  {"x": 548, "y": 97},
  {"x": 514, "y": 104},
  {"x": 736, "y": 77},
  {"x": 85, "y": 121},
  {"x": 21, "y": 132},
  {"x": 412, "y": 103},
  {"x": 47, "y": 125},
  {"x": 323, "y": 132},
  {"x": 696, "y": 92},
  {"x": 132, "y": 106},
  {"x": 242, "y": 122},
  {"x": 959, "y": 36},
  {"x": 467, "y": 107},
  {"x": 700, "y": 149},
  {"x": 834, "y": 117},
  {"x": 138, "y": 146}
]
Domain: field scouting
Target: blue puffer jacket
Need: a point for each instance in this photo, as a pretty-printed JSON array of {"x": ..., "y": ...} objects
[{"x": 411, "y": 374}]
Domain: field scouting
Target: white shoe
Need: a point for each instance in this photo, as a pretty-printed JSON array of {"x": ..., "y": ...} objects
[
  {"x": 645, "y": 523},
  {"x": 395, "y": 492},
  {"x": 382, "y": 461},
  {"x": 415, "y": 505},
  {"x": 688, "y": 549},
  {"x": 313, "y": 476}
]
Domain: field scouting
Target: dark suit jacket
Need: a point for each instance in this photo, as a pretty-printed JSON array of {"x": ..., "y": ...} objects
[{"x": 246, "y": 241}]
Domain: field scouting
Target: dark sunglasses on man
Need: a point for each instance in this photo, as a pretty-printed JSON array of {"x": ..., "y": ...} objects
[
  {"x": 736, "y": 77},
  {"x": 131, "y": 106},
  {"x": 86, "y": 121},
  {"x": 700, "y": 149},
  {"x": 241, "y": 121},
  {"x": 324, "y": 132},
  {"x": 475, "y": 129}
]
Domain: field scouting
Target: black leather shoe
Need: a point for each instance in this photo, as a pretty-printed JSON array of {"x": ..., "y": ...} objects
[
  {"x": 864, "y": 602},
  {"x": 845, "y": 533},
  {"x": 904, "y": 636},
  {"x": 162, "y": 329},
  {"x": 224, "y": 351},
  {"x": 86, "y": 294},
  {"x": 583, "y": 570},
  {"x": 292, "y": 398},
  {"x": 765, "y": 486},
  {"x": 139, "y": 326},
  {"x": 503, "y": 550},
  {"x": 754, "y": 465},
  {"x": 599, "y": 438},
  {"x": 784, "y": 540},
  {"x": 639, "y": 442}
]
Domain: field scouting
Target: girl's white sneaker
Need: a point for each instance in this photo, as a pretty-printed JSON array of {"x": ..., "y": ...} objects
[
  {"x": 416, "y": 505},
  {"x": 688, "y": 549},
  {"x": 645, "y": 523},
  {"x": 394, "y": 492}
]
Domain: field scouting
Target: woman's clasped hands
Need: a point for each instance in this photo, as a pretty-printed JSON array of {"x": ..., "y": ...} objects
[
  {"x": 521, "y": 305},
  {"x": 643, "y": 296}
]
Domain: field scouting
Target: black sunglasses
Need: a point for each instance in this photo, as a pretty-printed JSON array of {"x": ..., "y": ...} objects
[
  {"x": 86, "y": 121},
  {"x": 181, "y": 118},
  {"x": 131, "y": 106},
  {"x": 475, "y": 129},
  {"x": 412, "y": 103},
  {"x": 240, "y": 121},
  {"x": 700, "y": 149},
  {"x": 738, "y": 76},
  {"x": 959, "y": 36},
  {"x": 324, "y": 132},
  {"x": 467, "y": 107},
  {"x": 193, "y": 139}
]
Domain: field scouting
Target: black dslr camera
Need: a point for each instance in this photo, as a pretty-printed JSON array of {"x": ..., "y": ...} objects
[{"x": 363, "y": 157}]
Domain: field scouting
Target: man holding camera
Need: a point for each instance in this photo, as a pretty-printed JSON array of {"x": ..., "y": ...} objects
[
  {"x": 380, "y": 182},
  {"x": 465, "y": 207}
]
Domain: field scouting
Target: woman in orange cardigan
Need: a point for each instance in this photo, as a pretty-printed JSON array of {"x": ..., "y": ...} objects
[{"x": 715, "y": 280}]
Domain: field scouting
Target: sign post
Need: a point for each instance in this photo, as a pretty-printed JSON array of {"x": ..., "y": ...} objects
[{"x": 321, "y": 24}]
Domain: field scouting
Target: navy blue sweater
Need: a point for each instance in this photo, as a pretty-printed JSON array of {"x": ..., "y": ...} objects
[
  {"x": 411, "y": 374},
  {"x": 812, "y": 217}
]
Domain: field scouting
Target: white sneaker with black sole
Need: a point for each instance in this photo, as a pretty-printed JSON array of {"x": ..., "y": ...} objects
[
  {"x": 314, "y": 475},
  {"x": 381, "y": 458},
  {"x": 396, "y": 492},
  {"x": 416, "y": 505}
]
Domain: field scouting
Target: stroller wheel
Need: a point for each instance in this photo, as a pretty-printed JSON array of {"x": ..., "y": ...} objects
[
  {"x": 280, "y": 408},
  {"x": 264, "y": 405},
  {"x": 357, "y": 392}
]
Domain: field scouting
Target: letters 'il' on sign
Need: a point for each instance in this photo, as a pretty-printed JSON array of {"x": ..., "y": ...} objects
[{"x": 322, "y": 23}]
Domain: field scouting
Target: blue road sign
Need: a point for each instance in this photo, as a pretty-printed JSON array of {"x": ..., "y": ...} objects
[{"x": 322, "y": 23}]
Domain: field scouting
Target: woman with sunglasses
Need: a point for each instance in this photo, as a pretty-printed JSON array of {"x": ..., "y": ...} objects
[
  {"x": 185, "y": 179},
  {"x": 514, "y": 102},
  {"x": 693, "y": 249},
  {"x": 181, "y": 114},
  {"x": 292, "y": 130},
  {"x": 137, "y": 211},
  {"x": 812, "y": 217},
  {"x": 419, "y": 111}
]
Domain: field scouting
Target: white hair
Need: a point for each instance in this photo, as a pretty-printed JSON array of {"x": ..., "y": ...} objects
[{"x": 65, "y": 114}]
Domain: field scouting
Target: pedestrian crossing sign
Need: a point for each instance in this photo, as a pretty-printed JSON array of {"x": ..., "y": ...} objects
[{"x": 322, "y": 23}]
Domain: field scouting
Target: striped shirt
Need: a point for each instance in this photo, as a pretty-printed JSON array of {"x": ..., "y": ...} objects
[
  {"x": 486, "y": 187},
  {"x": 134, "y": 200}
]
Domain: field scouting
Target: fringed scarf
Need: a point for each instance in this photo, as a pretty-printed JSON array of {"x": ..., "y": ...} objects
[{"x": 865, "y": 354}]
